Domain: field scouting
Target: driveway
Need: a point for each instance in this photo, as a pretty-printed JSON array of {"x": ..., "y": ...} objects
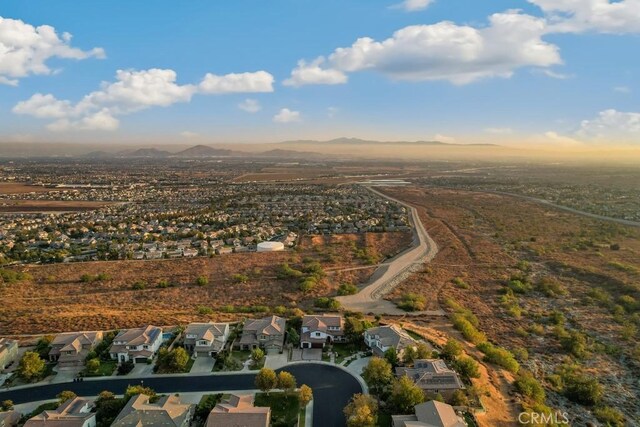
[
  {"x": 141, "y": 370},
  {"x": 276, "y": 360},
  {"x": 65, "y": 375},
  {"x": 301, "y": 354},
  {"x": 203, "y": 365},
  {"x": 332, "y": 388}
]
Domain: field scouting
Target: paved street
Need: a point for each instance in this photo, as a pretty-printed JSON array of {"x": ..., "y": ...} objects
[{"x": 332, "y": 388}]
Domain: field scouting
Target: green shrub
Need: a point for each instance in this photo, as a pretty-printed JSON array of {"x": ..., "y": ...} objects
[
  {"x": 499, "y": 356},
  {"x": 413, "y": 302}
]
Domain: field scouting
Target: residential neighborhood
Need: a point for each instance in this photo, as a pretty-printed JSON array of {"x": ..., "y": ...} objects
[
  {"x": 151, "y": 220},
  {"x": 212, "y": 343}
]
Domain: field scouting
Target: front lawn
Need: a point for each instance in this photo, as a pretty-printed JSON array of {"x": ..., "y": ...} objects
[
  {"x": 343, "y": 351},
  {"x": 106, "y": 369},
  {"x": 285, "y": 408},
  {"x": 233, "y": 362}
]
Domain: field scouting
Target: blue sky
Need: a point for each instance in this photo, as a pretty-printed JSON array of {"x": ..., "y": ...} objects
[{"x": 556, "y": 72}]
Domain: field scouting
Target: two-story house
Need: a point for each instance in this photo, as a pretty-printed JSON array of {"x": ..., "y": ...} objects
[
  {"x": 74, "y": 412},
  {"x": 70, "y": 349},
  {"x": 318, "y": 330},
  {"x": 169, "y": 411},
  {"x": 383, "y": 338},
  {"x": 206, "y": 339},
  {"x": 137, "y": 345},
  {"x": 267, "y": 333},
  {"x": 433, "y": 376},
  {"x": 8, "y": 352}
]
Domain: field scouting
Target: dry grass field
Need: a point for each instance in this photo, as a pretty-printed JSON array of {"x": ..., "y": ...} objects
[
  {"x": 587, "y": 270},
  {"x": 21, "y": 188},
  {"x": 32, "y": 206},
  {"x": 165, "y": 292}
]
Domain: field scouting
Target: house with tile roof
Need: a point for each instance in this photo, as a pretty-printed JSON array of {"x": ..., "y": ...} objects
[
  {"x": 8, "y": 352},
  {"x": 206, "y": 339},
  {"x": 430, "y": 414},
  {"x": 383, "y": 338},
  {"x": 10, "y": 418},
  {"x": 267, "y": 333},
  {"x": 319, "y": 330},
  {"x": 74, "y": 412},
  {"x": 70, "y": 349},
  {"x": 167, "y": 411},
  {"x": 238, "y": 411},
  {"x": 432, "y": 376},
  {"x": 138, "y": 345}
]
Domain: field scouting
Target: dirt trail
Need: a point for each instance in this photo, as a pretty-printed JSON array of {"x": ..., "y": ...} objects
[{"x": 392, "y": 273}]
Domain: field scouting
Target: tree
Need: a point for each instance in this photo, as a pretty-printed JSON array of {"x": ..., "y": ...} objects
[
  {"x": 392, "y": 356},
  {"x": 31, "y": 366},
  {"x": 105, "y": 395},
  {"x": 377, "y": 374},
  {"x": 134, "y": 390},
  {"x": 530, "y": 387},
  {"x": 423, "y": 351},
  {"x": 202, "y": 281},
  {"x": 179, "y": 359},
  {"x": 452, "y": 349},
  {"x": 266, "y": 380},
  {"x": 257, "y": 355},
  {"x": 93, "y": 365},
  {"x": 409, "y": 355},
  {"x": 467, "y": 367},
  {"x": 305, "y": 396},
  {"x": 458, "y": 398},
  {"x": 6, "y": 405},
  {"x": 293, "y": 337},
  {"x": 362, "y": 411},
  {"x": 405, "y": 395},
  {"x": 286, "y": 381},
  {"x": 63, "y": 396}
]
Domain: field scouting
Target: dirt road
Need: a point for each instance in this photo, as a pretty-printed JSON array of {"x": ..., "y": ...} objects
[{"x": 392, "y": 273}]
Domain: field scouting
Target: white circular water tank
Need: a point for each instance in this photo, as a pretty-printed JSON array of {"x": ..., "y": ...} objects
[{"x": 270, "y": 246}]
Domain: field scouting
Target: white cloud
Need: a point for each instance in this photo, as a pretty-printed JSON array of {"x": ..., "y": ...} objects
[
  {"x": 622, "y": 89},
  {"x": 556, "y": 139},
  {"x": 612, "y": 126},
  {"x": 25, "y": 49},
  {"x": 132, "y": 91},
  {"x": 554, "y": 74},
  {"x": 499, "y": 131},
  {"x": 250, "y": 105},
  {"x": 459, "y": 54},
  {"x": 313, "y": 73},
  {"x": 444, "y": 138},
  {"x": 260, "y": 81},
  {"x": 189, "y": 134},
  {"x": 606, "y": 16},
  {"x": 287, "y": 116},
  {"x": 414, "y": 5},
  {"x": 44, "y": 107}
]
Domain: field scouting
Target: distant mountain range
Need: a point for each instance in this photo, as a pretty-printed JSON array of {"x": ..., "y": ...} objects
[
  {"x": 357, "y": 141},
  {"x": 296, "y": 149}
]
